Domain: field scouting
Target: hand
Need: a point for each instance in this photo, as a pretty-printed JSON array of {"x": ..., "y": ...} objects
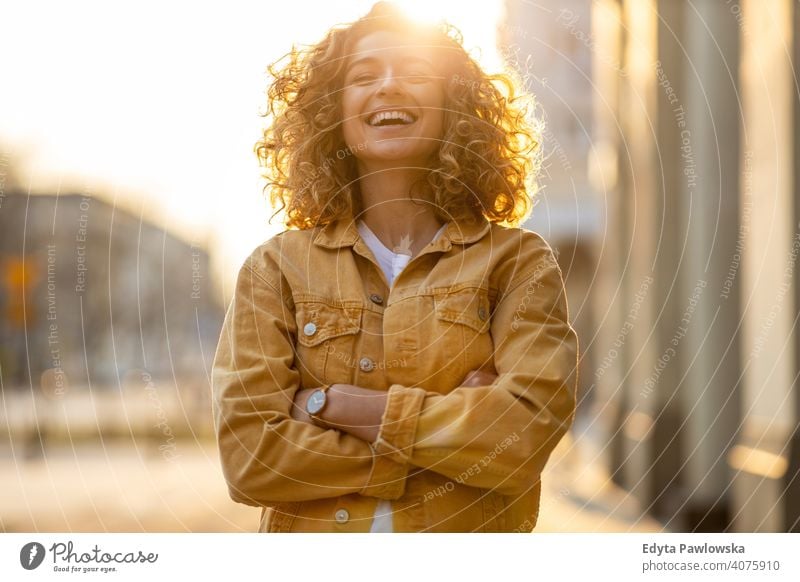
[
  {"x": 298, "y": 410},
  {"x": 479, "y": 377}
]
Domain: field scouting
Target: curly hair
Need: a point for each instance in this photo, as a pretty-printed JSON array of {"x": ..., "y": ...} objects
[{"x": 484, "y": 169}]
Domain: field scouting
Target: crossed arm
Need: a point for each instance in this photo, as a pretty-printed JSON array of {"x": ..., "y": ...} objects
[
  {"x": 358, "y": 411},
  {"x": 268, "y": 456}
]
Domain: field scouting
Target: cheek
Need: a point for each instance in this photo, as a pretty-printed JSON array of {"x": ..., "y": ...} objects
[
  {"x": 350, "y": 131},
  {"x": 437, "y": 117},
  {"x": 439, "y": 123},
  {"x": 351, "y": 124},
  {"x": 435, "y": 128}
]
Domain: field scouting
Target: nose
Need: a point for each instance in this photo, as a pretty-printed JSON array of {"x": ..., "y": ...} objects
[{"x": 389, "y": 83}]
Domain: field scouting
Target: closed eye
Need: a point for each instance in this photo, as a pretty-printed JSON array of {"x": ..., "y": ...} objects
[
  {"x": 363, "y": 79},
  {"x": 418, "y": 76},
  {"x": 421, "y": 76}
]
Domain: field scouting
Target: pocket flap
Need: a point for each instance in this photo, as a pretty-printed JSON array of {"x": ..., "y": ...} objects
[
  {"x": 469, "y": 307},
  {"x": 318, "y": 321}
]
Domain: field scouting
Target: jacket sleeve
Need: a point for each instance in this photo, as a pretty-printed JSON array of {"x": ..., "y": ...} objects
[
  {"x": 498, "y": 436},
  {"x": 267, "y": 457}
]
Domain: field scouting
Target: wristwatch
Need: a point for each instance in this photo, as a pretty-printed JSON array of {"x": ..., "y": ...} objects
[{"x": 317, "y": 401}]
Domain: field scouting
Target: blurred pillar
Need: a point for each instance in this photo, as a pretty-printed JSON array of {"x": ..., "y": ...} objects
[
  {"x": 666, "y": 497},
  {"x": 630, "y": 288},
  {"x": 772, "y": 241},
  {"x": 792, "y": 478},
  {"x": 608, "y": 291},
  {"x": 639, "y": 206},
  {"x": 709, "y": 293}
]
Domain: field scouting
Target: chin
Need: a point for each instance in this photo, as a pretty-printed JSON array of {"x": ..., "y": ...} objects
[{"x": 400, "y": 156}]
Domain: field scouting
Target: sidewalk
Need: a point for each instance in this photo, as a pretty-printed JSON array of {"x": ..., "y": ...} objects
[
  {"x": 120, "y": 487},
  {"x": 134, "y": 487},
  {"x": 579, "y": 496}
]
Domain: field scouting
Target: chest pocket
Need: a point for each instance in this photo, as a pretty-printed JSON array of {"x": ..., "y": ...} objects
[
  {"x": 462, "y": 319},
  {"x": 327, "y": 331}
]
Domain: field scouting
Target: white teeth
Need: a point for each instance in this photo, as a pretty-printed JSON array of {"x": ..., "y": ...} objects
[{"x": 384, "y": 115}]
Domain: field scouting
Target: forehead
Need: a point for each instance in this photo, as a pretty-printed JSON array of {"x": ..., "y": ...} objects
[{"x": 387, "y": 45}]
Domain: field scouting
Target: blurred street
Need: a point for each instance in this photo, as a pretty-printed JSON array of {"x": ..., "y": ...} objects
[
  {"x": 120, "y": 486},
  {"x": 579, "y": 496}
]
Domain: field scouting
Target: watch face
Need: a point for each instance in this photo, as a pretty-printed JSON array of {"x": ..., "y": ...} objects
[{"x": 315, "y": 402}]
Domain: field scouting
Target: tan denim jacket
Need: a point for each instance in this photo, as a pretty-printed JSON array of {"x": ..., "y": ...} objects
[{"x": 313, "y": 307}]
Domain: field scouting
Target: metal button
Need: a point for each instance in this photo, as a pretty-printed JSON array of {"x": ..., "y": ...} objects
[
  {"x": 482, "y": 313},
  {"x": 366, "y": 364},
  {"x": 342, "y": 516},
  {"x": 376, "y": 299},
  {"x": 309, "y": 329}
]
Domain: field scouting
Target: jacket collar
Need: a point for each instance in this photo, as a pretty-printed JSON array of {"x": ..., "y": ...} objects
[{"x": 341, "y": 233}]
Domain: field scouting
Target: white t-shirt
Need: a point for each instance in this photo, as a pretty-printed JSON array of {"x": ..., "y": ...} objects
[{"x": 391, "y": 264}]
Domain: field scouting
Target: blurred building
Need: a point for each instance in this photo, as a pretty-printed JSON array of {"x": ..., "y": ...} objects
[
  {"x": 549, "y": 46},
  {"x": 90, "y": 293},
  {"x": 696, "y": 107},
  {"x": 670, "y": 195}
]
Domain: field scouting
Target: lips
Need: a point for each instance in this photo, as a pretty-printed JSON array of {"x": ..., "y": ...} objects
[{"x": 387, "y": 117}]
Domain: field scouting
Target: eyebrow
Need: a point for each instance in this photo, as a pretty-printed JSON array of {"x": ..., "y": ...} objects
[{"x": 369, "y": 60}]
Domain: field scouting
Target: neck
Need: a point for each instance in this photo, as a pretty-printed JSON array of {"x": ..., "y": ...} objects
[{"x": 390, "y": 212}]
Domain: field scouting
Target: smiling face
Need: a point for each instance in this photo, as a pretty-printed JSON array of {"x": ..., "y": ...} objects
[{"x": 392, "y": 101}]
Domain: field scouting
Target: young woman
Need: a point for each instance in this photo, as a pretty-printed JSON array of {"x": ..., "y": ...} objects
[{"x": 401, "y": 358}]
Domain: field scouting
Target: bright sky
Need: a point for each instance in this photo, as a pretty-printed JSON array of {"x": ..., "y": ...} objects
[{"x": 155, "y": 104}]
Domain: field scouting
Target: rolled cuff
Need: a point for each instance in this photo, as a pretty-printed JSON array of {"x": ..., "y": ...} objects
[{"x": 393, "y": 446}]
